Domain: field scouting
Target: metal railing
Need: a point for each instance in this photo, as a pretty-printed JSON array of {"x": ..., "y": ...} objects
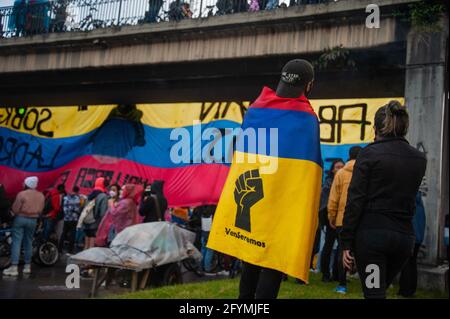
[{"x": 30, "y": 17}]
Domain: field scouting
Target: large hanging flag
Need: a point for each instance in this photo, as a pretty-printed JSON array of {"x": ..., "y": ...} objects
[
  {"x": 75, "y": 144},
  {"x": 268, "y": 209}
]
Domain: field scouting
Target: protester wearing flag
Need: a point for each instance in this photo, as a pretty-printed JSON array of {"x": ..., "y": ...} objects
[{"x": 267, "y": 213}]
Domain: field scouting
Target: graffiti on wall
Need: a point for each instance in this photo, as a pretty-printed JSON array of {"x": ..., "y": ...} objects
[{"x": 74, "y": 145}]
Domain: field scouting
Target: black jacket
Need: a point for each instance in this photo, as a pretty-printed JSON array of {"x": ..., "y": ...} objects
[
  {"x": 148, "y": 208},
  {"x": 386, "y": 177}
]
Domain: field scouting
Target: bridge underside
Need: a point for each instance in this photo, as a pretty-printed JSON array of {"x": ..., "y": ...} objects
[{"x": 226, "y": 80}]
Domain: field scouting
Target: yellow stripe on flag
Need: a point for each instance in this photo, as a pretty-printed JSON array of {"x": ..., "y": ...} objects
[
  {"x": 67, "y": 121},
  {"x": 283, "y": 222}
]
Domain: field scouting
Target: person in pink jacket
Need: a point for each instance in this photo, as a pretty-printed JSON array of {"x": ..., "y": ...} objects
[{"x": 119, "y": 216}]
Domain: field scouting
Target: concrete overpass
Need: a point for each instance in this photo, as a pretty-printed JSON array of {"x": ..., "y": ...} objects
[
  {"x": 231, "y": 57},
  {"x": 250, "y": 47}
]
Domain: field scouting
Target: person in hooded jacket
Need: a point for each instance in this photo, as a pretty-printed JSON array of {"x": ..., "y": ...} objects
[
  {"x": 125, "y": 213},
  {"x": 336, "y": 208},
  {"x": 408, "y": 276},
  {"x": 330, "y": 233},
  {"x": 114, "y": 195},
  {"x": 100, "y": 208},
  {"x": 153, "y": 203}
]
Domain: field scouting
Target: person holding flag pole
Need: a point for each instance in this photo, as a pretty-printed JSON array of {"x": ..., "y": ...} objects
[{"x": 267, "y": 214}]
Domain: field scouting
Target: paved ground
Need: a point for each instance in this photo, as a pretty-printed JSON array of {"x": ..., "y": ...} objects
[{"x": 50, "y": 283}]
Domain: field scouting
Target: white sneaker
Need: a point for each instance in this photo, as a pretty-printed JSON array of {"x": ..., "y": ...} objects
[
  {"x": 223, "y": 273},
  {"x": 27, "y": 269},
  {"x": 11, "y": 271}
]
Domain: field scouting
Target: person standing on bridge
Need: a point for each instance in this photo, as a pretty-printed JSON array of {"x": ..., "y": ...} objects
[
  {"x": 99, "y": 200},
  {"x": 71, "y": 209},
  {"x": 381, "y": 202},
  {"x": 26, "y": 208}
]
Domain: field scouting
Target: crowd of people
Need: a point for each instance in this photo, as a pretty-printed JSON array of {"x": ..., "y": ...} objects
[
  {"x": 30, "y": 17},
  {"x": 364, "y": 214},
  {"x": 69, "y": 216},
  {"x": 371, "y": 211}
]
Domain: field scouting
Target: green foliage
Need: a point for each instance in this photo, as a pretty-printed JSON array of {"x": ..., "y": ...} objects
[
  {"x": 337, "y": 58},
  {"x": 424, "y": 16}
]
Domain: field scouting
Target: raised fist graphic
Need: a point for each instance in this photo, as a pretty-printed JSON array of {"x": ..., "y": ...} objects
[{"x": 248, "y": 191}]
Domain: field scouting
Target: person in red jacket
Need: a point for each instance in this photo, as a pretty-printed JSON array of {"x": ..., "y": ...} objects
[{"x": 53, "y": 208}]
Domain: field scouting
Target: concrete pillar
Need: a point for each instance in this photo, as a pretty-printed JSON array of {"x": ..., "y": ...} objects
[{"x": 426, "y": 100}]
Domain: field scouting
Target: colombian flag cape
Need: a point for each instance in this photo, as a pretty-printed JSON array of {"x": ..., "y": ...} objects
[{"x": 269, "y": 218}]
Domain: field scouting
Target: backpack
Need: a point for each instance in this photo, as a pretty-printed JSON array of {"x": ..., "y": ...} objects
[{"x": 88, "y": 212}]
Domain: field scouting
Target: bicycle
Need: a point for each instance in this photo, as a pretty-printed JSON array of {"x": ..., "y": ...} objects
[
  {"x": 210, "y": 11},
  {"x": 45, "y": 252},
  {"x": 89, "y": 23}
]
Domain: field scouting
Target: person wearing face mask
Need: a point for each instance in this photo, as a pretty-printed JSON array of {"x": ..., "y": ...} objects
[
  {"x": 296, "y": 82},
  {"x": 114, "y": 195},
  {"x": 330, "y": 232},
  {"x": 125, "y": 213}
]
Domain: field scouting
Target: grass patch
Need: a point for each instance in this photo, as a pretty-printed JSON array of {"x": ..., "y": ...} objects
[{"x": 228, "y": 289}]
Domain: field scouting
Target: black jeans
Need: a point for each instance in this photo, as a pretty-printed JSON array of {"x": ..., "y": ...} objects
[
  {"x": 408, "y": 276},
  {"x": 68, "y": 233},
  {"x": 342, "y": 272},
  {"x": 258, "y": 282},
  {"x": 330, "y": 238},
  {"x": 381, "y": 249},
  {"x": 316, "y": 247}
]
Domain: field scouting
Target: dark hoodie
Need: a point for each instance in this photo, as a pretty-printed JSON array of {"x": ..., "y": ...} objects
[
  {"x": 100, "y": 208},
  {"x": 148, "y": 209}
]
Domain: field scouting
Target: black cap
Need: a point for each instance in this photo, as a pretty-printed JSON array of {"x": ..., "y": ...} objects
[{"x": 297, "y": 73}]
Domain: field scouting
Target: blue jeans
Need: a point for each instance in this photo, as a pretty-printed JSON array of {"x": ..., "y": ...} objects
[
  {"x": 206, "y": 252},
  {"x": 22, "y": 229}
]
